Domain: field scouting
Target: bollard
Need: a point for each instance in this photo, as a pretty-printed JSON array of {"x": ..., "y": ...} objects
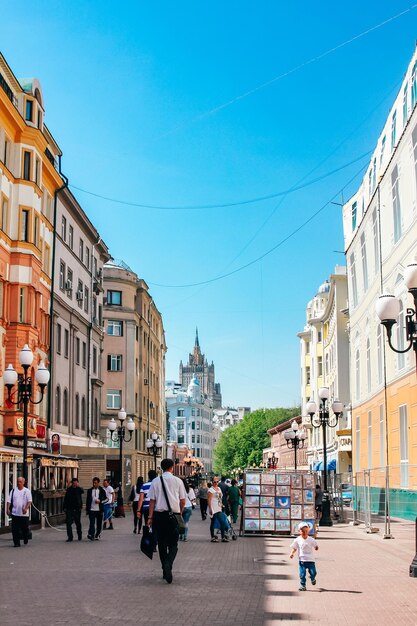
[
  {"x": 43, "y": 520},
  {"x": 413, "y": 566}
]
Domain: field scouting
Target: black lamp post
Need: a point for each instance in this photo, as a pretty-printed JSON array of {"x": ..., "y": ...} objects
[
  {"x": 323, "y": 419},
  {"x": 272, "y": 460},
  {"x": 118, "y": 433},
  {"x": 388, "y": 310},
  {"x": 24, "y": 393},
  {"x": 154, "y": 446},
  {"x": 295, "y": 439}
]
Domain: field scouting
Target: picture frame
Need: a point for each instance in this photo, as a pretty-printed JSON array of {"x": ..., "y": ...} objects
[
  {"x": 268, "y": 479},
  {"x": 283, "y": 525},
  {"x": 282, "y": 513},
  {"x": 296, "y": 511},
  {"x": 267, "y": 513},
  {"x": 253, "y": 490},
  {"x": 296, "y": 496},
  {"x": 283, "y": 479},
  {"x": 282, "y": 502},
  {"x": 268, "y": 501},
  {"x": 253, "y": 478},
  {"x": 268, "y": 524},
  {"x": 252, "y": 524},
  {"x": 267, "y": 490},
  {"x": 252, "y": 501}
]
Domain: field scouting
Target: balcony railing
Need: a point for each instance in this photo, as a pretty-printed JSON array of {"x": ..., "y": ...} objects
[
  {"x": 9, "y": 93},
  {"x": 50, "y": 156}
]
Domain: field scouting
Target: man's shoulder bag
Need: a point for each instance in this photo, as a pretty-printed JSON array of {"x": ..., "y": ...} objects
[{"x": 176, "y": 518}]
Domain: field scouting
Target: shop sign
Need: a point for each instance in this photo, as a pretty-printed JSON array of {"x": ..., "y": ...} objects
[{"x": 345, "y": 443}]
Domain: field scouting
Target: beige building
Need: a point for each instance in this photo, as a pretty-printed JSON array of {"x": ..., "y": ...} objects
[{"x": 133, "y": 368}]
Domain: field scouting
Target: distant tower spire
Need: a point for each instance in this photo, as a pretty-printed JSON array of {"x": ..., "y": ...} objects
[{"x": 197, "y": 343}]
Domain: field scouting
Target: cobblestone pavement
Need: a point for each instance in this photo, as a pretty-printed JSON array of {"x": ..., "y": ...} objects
[{"x": 362, "y": 579}]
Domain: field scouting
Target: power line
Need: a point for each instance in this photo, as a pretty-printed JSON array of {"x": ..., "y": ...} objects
[
  {"x": 228, "y": 103},
  {"x": 268, "y": 252},
  {"x": 225, "y": 204}
]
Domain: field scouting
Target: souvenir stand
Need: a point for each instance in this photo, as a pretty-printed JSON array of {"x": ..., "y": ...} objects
[{"x": 276, "y": 502}]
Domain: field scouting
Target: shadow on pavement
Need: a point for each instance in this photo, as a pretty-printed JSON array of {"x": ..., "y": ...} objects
[{"x": 338, "y": 590}]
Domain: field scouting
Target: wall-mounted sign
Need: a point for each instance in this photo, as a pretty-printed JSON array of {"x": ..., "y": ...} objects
[{"x": 345, "y": 443}]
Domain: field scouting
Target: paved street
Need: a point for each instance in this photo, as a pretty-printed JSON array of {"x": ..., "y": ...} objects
[{"x": 362, "y": 579}]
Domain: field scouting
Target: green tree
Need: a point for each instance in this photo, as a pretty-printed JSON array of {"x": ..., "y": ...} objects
[{"x": 242, "y": 445}]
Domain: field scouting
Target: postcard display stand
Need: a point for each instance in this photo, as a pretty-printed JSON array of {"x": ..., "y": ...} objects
[{"x": 276, "y": 502}]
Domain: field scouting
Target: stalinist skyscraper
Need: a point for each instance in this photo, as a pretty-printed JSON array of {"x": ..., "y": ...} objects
[{"x": 198, "y": 367}]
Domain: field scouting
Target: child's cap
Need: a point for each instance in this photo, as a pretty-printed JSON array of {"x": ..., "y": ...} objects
[{"x": 303, "y": 525}]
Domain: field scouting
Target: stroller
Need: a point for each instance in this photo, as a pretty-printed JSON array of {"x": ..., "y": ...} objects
[{"x": 229, "y": 530}]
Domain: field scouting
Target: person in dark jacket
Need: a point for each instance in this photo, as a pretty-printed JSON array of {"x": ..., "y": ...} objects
[
  {"x": 73, "y": 503},
  {"x": 96, "y": 497}
]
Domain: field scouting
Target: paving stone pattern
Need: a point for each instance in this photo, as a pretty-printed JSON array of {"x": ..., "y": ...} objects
[{"x": 362, "y": 580}]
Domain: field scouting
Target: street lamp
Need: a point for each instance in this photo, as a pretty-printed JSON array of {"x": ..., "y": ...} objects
[
  {"x": 323, "y": 420},
  {"x": 388, "y": 310},
  {"x": 295, "y": 439},
  {"x": 24, "y": 392},
  {"x": 118, "y": 433},
  {"x": 272, "y": 460},
  {"x": 154, "y": 445}
]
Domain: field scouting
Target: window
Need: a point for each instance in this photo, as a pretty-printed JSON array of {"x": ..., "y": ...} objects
[
  {"x": 357, "y": 375},
  {"x": 70, "y": 282},
  {"x": 354, "y": 215},
  {"x": 46, "y": 259},
  {"x": 58, "y": 405},
  {"x": 81, "y": 250},
  {"x": 80, "y": 293},
  {"x": 114, "y": 397},
  {"x": 115, "y": 328},
  {"x": 114, "y": 362},
  {"x": 383, "y": 143},
  {"x": 375, "y": 233},
  {"x": 66, "y": 343},
  {"x": 84, "y": 354},
  {"x": 379, "y": 353},
  {"x": 86, "y": 298},
  {"x": 307, "y": 347},
  {"x": 77, "y": 350},
  {"x": 83, "y": 414},
  {"x": 22, "y": 305},
  {"x": 319, "y": 366},
  {"x": 6, "y": 153},
  {"x": 27, "y": 162},
  {"x": 62, "y": 273},
  {"x": 180, "y": 439},
  {"x": 358, "y": 443},
  {"x": 404, "y": 445},
  {"x": 64, "y": 228},
  {"x": 36, "y": 231},
  {"x": 65, "y": 408},
  {"x": 39, "y": 119},
  {"x": 58, "y": 338},
  {"x": 353, "y": 280},
  {"x": 400, "y": 337},
  {"x": 37, "y": 172},
  {"x": 308, "y": 375},
  {"x": 70, "y": 237},
  {"x": 364, "y": 262},
  {"x": 29, "y": 110},
  {"x": 319, "y": 336},
  {"x": 180, "y": 412},
  {"x": 24, "y": 225},
  {"x": 369, "y": 439},
  {"x": 381, "y": 436},
  {"x": 94, "y": 360},
  {"x": 4, "y": 214},
  {"x": 87, "y": 257},
  {"x": 405, "y": 104},
  {"x": 77, "y": 411},
  {"x": 396, "y": 204},
  {"x": 393, "y": 130},
  {"x": 414, "y": 85},
  {"x": 180, "y": 425},
  {"x": 114, "y": 297}
]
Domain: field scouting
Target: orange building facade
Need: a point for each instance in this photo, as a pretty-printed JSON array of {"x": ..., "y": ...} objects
[{"x": 29, "y": 180}]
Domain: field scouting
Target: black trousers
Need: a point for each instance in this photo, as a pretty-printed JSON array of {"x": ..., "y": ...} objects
[
  {"x": 95, "y": 517},
  {"x": 73, "y": 516},
  {"x": 137, "y": 522},
  {"x": 167, "y": 538},
  {"x": 203, "y": 507},
  {"x": 20, "y": 529}
]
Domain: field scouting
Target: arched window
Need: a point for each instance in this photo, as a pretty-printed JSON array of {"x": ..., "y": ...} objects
[
  {"x": 58, "y": 405},
  {"x": 368, "y": 365},
  {"x": 357, "y": 375},
  {"x": 83, "y": 414},
  {"x": 65, "y": 408},
  {"x": 77, "y": 411}
]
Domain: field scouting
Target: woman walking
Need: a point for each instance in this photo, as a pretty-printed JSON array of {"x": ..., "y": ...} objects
[
  {"x": 188, "y": 508},
  {"x": 134, "y": 499},
  {"x": 234, "y": 497},
  {"x": 203, "y": 495},
  {"x": 215, "y": 508}
]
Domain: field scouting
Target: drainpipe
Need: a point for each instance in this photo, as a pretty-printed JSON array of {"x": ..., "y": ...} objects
[{"x": 51, "y": 318}]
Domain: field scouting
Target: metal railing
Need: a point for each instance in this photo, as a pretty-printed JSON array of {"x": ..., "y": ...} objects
[{"x": 7, "y": 90}]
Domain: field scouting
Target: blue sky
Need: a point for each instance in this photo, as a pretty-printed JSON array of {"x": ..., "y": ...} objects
[{"x": 128, "y": 91}]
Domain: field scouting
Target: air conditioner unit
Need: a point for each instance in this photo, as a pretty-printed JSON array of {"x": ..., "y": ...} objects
[
  {"x": 145, "y": 381},
  {"x": 68, "y": 285},
  {"x": 99, "y": 273},
  {"x": 80, "y": 296}
]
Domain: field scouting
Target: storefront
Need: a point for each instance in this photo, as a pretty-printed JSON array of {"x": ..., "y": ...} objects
[
  {"x": 51, "y": 476},
  {"x": 10, "y": 468}
]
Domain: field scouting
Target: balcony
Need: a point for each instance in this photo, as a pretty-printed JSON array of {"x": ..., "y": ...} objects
[
  {"x": 50, "y": 157},
  {"x": 9, "y": 93}
]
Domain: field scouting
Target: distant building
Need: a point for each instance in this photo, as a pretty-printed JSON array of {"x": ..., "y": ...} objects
[
  {"x": 279, "y": 455},
  {"x": 190, "y": 416},
  {"x": 198, "y": 367}
]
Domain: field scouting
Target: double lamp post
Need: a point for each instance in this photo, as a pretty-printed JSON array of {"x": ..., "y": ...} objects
[
  {"x": 121, "y": 434},
  {"x": 295, "y": 438},
  {"x": 154, "y": 446}
]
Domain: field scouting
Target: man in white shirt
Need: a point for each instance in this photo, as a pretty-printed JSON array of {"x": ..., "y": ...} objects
[
  {"x": 108, "y": 506},
  {"x": 96, "y": 497},
  {"x": 159, "y": 514},
  {"x": 18, "y": 505}
]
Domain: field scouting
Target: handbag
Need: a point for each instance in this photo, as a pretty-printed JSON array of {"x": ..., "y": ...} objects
[
  {"x": 147, "y": 544},
  {"x": 175, "y": 518}
]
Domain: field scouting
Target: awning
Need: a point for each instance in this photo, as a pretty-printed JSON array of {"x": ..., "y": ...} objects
[{"x": 331, "y": 466}]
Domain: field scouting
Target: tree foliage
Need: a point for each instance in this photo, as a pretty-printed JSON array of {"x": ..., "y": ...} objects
[{"x": 242, "y": 445}]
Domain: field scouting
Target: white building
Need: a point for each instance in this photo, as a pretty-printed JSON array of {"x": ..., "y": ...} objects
[{"x": 190, "y": 417}]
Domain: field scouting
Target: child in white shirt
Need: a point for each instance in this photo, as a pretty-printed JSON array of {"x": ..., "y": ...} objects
[{"x": 305, "y": 546}]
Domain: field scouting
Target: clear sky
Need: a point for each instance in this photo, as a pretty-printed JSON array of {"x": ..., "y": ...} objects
[{"x": 133, "y": 93}]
